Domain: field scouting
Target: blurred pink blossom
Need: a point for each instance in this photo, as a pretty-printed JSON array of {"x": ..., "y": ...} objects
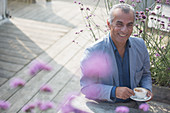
[
  {"x": 98, "y": 64},
  {"x": 4, "y": 104},
  {"x": 36, "y": 66},
  {"x": 91, "y": 91},
  {"x": 157, "y": 54},
  {"x": 29, "y": 107},
  {"x": 46, "y": 88},
  {"x": 66, "y": 106},
  {"x": 16, "y": 82},
  {"x": 43, "y": 106},
  {"x": 122, "y": 109},
  {"x": 144, "y": 107}
]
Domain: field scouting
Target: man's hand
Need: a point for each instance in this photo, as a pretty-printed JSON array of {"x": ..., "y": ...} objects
[
  {"x": 124, "y": 92},
  {"x": 149, "y": 94}
]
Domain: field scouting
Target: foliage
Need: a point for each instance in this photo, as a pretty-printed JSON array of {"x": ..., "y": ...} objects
[{"x": 151, "y": 24}]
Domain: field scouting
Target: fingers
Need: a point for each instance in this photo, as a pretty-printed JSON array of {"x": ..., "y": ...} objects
[
  {"x": 123, "y": 92},
  {"x": 149, "y": 94},
  {"x": 131, "y": 92}
]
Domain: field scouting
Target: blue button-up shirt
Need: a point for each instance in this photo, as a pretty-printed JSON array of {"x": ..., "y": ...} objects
[{"x": 123, "y": 69}]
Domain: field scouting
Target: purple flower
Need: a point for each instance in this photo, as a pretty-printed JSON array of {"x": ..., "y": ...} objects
[
  {"x": 81, "y": 9},
  {"x": 147, "y": 9},
  {"x": 137, "y": 1},
  {"x": 132, "y": 0},
  {"x": 16, "y": 82},
  {"x": 158, "y": 1},
  {"x": 158, "y": 7},
  {"x": 157, "y": 54},
  {"x": 122, "y": 1},
  {"x": 88, "y": 9},
  {"x": 153, "y": 13},
  {"x": 169, "y": 19},
  {"x": 81, "y": 30},
  {"x": 46, "y": 105},
  {"x": 36, "y": 66},
  {"x": 133, "y": 5},
  {"x": 141, "y": 12},
  {"x": 75, "y": 1},
  {"x": 144, "y": 16},
  {"x": 135, "y": 35},
  {"x": 122, "y": 109},
  {"x": 29, "y": 107},
  {"x": 4, "y": 105},
  {"x": 77, "y": 33},
  {"x": 144, "y": 107},
  {"x": 136, "y": 25},
  {"x": 140, "y": 31},
  {"x": 158, "y": 20},
  {"x": 46, "y": 88},
  {"x": 162, "y": 47}
]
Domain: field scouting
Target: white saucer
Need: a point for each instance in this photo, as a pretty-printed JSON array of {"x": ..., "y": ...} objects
[{"x": 140, "y": 99}]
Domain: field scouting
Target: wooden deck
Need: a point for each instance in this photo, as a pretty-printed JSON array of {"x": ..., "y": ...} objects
[{"x": 42, "y": 31}]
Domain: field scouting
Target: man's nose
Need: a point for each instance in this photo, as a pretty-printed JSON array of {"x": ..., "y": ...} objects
[{"x": 124, "y": 29}]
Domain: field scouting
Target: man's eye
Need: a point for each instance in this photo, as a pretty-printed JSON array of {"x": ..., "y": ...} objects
[
  {"x": 119, "y": 25},
  {"x": 130, "y": 25}
]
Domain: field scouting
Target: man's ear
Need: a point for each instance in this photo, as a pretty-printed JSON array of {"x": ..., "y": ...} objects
[{"x": 108, "y": 24}]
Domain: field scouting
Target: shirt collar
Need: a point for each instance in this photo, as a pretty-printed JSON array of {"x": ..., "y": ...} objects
[{"x": 113, "y": 45}]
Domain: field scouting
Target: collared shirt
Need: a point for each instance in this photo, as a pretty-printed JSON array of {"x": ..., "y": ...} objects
[{"x": 123, "y": 69}]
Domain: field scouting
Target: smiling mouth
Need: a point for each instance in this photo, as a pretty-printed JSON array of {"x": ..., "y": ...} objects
[{"x": 122, "y": 35}]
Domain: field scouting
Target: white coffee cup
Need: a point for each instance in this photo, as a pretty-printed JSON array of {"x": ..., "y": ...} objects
[{"x": 140, "y": 92}]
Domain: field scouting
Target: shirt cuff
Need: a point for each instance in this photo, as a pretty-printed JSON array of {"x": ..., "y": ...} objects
[{"x": 113, "y": 95}]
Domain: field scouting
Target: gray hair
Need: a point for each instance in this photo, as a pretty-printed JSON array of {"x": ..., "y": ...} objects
[{"x": 126, "y": 8}]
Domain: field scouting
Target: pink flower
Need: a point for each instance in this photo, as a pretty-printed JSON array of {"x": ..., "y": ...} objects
[
  {"x": 66, "y": 106},
  {"x": 46, "y": 105},
  {"x": 157, "y": 54},
  {"x": 122, "y": 109},
  {"x": 122, "y": 1},
  {"x": 4, "y": 105},
  {"x": 36, "y": 66},
  {"x": 98, "y": 64},
  {"x": 29, "y": 107},
  {"x": 16, "y": 82},
  {"x": 135, "y": 35},
  {"x": 144, "y": 107},
  {"x": 46, "y": 88}
]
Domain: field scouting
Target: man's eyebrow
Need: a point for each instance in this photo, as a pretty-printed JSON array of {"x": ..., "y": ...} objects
[
  {"x": 130, "y": 23},
  {"x": 119, "y": 22}
]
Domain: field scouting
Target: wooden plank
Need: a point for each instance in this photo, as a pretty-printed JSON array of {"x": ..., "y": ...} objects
[
  {"x": 29, "y": 44},
  {"x": 6, "y": 74},
  {"x": 28, "y": 37},
  {"x": 5, "y": 37},
  {"x": 27, "y": 30},
  {"x": 19, "y": 54},
  {"x": 2, "y": 80},
  {"x": 15, "y": 60},
  {"x": 21, "y": 48},
  {"x": 10, "y": 66}
]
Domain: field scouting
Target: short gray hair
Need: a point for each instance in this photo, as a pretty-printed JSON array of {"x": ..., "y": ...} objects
[{"x": 126, "y": 8}]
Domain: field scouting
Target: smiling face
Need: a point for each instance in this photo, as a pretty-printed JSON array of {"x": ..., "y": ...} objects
[{"x": 121, "y": 27}]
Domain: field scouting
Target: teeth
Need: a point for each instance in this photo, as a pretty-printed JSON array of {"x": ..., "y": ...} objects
[{"x": 122, "y": 35}]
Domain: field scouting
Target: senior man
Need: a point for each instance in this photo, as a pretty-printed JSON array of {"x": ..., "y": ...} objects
[{"x": 123, "y": 59}]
